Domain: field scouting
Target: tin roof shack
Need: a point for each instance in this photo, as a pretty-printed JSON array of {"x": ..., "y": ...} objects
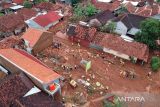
[
  {"x": 81, "y": 34},
  {"x": 45, "y": 21},
  {"x": 37, "y": 40},
  {"x": 18, "y": 60},
  {"x": 36, "y": 100},
  {"x": 13, "y": 87},
  {"x": 125, "y": 49},
  {"x": 11, "y": 24}
]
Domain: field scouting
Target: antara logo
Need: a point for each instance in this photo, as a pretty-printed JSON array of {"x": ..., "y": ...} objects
[{"x": 131, "y": 99}]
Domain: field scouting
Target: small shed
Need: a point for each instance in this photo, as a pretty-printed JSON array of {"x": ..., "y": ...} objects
[{"x": 37, "y": 40}]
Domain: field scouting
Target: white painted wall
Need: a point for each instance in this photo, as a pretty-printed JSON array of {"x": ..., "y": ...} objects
[{"x": 113, "y": 52}]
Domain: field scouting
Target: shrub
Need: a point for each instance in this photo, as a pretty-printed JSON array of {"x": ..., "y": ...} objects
[
  {"x": 27, "y": 4},
  {"x": 155, "y": 63}
]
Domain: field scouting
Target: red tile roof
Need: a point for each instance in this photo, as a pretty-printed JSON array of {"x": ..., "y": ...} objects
[
  {"x": 48, "y": 6},
  {"x": 50, "y": 17},
  {"x": 131, "y": 8},
  {"x": 148, "y": 10},
  {"x": 27, "y": 13},
  {"x": 32, "y": 35},
  {"x": 135, "y": 49},
  {"x": 29, "y": 66},
  {"x": 18, "y": 1},
  {"x": 106, "y": 6},
  {"x": 6, "y": 5}
]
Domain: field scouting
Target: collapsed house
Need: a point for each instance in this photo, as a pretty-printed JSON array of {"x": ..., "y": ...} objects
[
  {"x": 47, "y": 6},
  {"x": 27, "y": 13},
  {"x": 80, "y": 34},
  {"x": 11, "y": 24},
  {"x": 123, "y": 48},
  {"x": 16, "y": 60},
  {"x": 36, "y": 40},
  {"x": 13, "y": 87}
]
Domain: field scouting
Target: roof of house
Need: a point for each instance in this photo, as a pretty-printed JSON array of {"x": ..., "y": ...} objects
[
  {"x": 18, "y": 1},
  {"x": 106, "y": 6},
  {"x": 130, "y": 7},
  {"x": 103, "y": 16},
  {"x": 25, "y": 62},
  {"x": 82, "y": 32},
  {"x": 50, "y": 17},
  {"x": 33, "y": 35},
  {"x": 36, "y": 100},
  {"x": 6, "y": 5},
  {"x": 27, "y": 13},
  {"x": 148, "y": 10},
  {"x": 11, "y": 22},
  {"x": 48, "y": 6},
  {"x": 135, "y": 49},
  {"x": 13, "y": 87},
  {"x": 130, "y": 20}
]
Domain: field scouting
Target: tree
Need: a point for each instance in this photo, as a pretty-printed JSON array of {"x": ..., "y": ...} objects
[
  {"x": 53, "y": 1},
  {"x": 74, "y": 2},
  {"x": 155, "y": 63},
  {"x": 150, "y": 32},
  {"x": 158, "y": 0},
  {"x": 27, "y": 4},
  {"x": 90, "y": 9},
  {"x": 85, "y": 10},
  {"x": 78, "y": 10}
]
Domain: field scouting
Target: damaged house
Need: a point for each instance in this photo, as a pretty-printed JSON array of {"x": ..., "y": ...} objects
[
  {"x": 123, "y": 48},
  {"x": 16, "y": 60},
  {"x": 80, "y": 34},
  {"x": 11, "y": 24},
  {"x": 13, "y": 87},
  {"x": 36, "y": 40}
]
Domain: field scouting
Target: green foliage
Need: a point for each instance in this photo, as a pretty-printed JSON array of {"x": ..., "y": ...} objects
[
  {"x": 27, "y": 4},
  {"x": 116, "y": 103},
  {"x": 90, "y": 10},
  {"x": 74, "y": 2},
  {"x": 78, "y": 10},
  {"x": 53, "y": 1},
  {"x": 39, "y": 1},
  {"x": 158, "y": 0},
  {"x": 1, "y": 14},
  {"x": 150, "y": 32},
  {"x": 85, "y": 10},
  {"x": 155, "y": 63},
  {"x": 108, "y": 28},
  {"x": 121, "y": 10}
]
